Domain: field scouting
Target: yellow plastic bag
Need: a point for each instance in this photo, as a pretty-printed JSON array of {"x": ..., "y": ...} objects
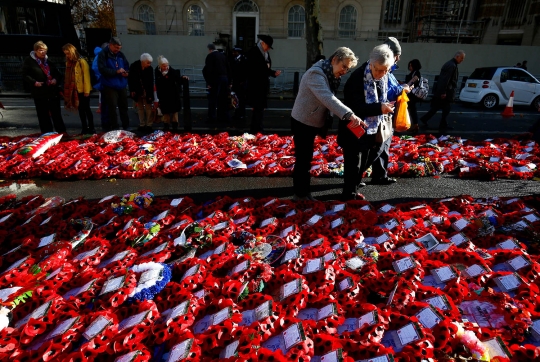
[{"x": 403, "y": 120}]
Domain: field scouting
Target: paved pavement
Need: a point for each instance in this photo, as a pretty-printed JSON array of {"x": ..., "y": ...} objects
[{"x": 470, "y": 122}]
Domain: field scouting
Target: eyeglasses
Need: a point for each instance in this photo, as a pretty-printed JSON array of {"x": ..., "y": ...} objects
[
  {"x": 378, "y": 70},
  {"x": 345, "y": 68}
]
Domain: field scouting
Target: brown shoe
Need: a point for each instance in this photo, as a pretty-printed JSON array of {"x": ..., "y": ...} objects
[{"x": 414, "y": 128}]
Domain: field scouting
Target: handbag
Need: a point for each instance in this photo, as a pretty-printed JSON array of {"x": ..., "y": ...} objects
[
  {"x": 384, "y": 131},
  {"x": 422, "y": 90}
]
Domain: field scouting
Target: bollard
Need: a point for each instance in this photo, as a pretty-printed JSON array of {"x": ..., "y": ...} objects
[
  {"x": 187, "y": 105},
  {"x": 296, "y": 83}
]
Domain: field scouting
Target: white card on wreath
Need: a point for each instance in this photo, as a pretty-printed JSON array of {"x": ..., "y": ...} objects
[
  {"x": 133, "y": 320},
  {"x": 240, "y": 267},
  {"x": 428, "y": 317},
  {"x": 39, "y": 312},
  {"x": 290, "y": 288},
  {"x": 274, "y": 343},
  {"x": 329, "y": 256},
  {"x": 62, "y": 327},
  {"x": 46, "y": 240},
  {"x": 403, "y": 264},
  {"x": 386, "y": 208},
  {"x": 157, "y": 249},
  {"x": 531, "y": 218},
  {"x": 16, "y": 264},
  {"x": 460, "y": 224},
  {"x": 535, "y": 330},
  {"x": 518, "y": 262},
  {"x": 293, "y": 335},
  {"x": 349, "y": 325},
  {"x": 313, "y": 220},
  {"x": 116, "y": 257},
  {"x": 221, "y": 316},
  {"x": 345, "y": 284},
  {"x": 409, "y": 248},
  {"x": 441, "y": 248},
  {"x": 438, "y": 302},
  {"x": 75, "y": 292},
  {"x": 191, "y": 271},
  {"x": 334, "y": 356},
  {"x": 149, "y": 275},
  {"x": 355, "y": 263},
  {"x": 385, "y": 358},
  {"x": 509, "y": 244},
  {"x": 113, "y": 284},
  {"x": 390, "y": 224},
  {"x": 369, "y": 318},
  {"x": 408, "y": 334},
  {"x": 429, "y": 241},
  {"x": 496, "y": 348},
  {"x": 290, "y": 255},
  {"x": 176, "y": 202},
  {"x": 409, "y": 223},
  {"x": 308, "y": 314},
  {"x": 508, "y": 282},
  {"x": 87, "y": 254},
  {"x": 180, "y": 351},
  {"x": 229, "y": 350},
  {"x": 475, "y": 270},
  {"x": 313, "y": 265},
  {"x": 96, "y": 327},
  {"x": 6, "y": 292},
  {"x": 458, "y": 239},
  {"x": 326, "y": 311},
  {"x": 442, "y": 275}
]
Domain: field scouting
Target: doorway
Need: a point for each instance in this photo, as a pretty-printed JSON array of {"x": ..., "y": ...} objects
[{"x": 245, "y": 32}]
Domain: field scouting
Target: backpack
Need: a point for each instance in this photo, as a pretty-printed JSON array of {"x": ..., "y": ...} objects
[{"x": 422, "y": 90}]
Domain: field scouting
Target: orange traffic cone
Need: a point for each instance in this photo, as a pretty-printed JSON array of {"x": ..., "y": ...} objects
[{"x": 509, "y": 110}]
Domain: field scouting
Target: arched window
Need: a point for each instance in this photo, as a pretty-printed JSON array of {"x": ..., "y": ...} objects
[
  {"x": 195, "y": 20},
  {"x": 297, "y": 19},
  {"x": 146, "y": 15},
  {"x": 246, "y": 6},
  {"x": 347, "y": 22}
]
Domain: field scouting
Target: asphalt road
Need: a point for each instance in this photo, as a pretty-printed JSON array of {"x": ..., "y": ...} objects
[{"x": 470, "y": 122}]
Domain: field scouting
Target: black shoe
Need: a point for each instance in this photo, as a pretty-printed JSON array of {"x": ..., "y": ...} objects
[
  {"x": 140, "y": 129},
  {"x": 92, "y": 131},
  {"x": 148, "y": 129},
  {"x": 424, "y": 122},
  {"x": 175, "y": 126},
  {"x": 166, "y": 127},
  {"x": 383, "y": 181}
]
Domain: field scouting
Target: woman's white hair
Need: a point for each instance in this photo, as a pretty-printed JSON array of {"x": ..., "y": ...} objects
[
  {"x": 382, "y": 55},
  {"x": 146, "y": 56},
  {"x": 162, "y": 60},
  {"x": 345, "y": 53}
]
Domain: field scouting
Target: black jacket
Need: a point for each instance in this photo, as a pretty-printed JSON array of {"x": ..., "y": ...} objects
[
  {"x": 355, "y": 99},
  {"x": 32, "y": 73},
  {"x": 169, "y": 90},
  {"x": 215, "y": 66},
  {"x": 447, "y": 82},
  {"x": 258, "y": 71},
  {"x": 141, "y": 81}
]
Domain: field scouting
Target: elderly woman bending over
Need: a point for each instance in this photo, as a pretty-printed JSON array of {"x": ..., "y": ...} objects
[
  {"x": 366, "y": 94},
  {"x": 316, "y": 101}
]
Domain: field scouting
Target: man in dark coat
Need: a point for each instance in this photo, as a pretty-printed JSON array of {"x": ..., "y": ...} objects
[
  {"x": 238, "y": 71},
  {"x": 259, "y": 68},
  {"x": 112, "y": 65},
  {"x": 216, "y": 73},
  {"x": 443, "y": 94},
  {"x": 169, "y": 90},
  {"x": 141, "y": 88}
]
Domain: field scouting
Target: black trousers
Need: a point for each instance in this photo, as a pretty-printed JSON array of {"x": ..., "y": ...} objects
[
  {"x": 304, "y": 139},
  {"x": 116, "y": 98},
  {"x": 439, "y": 104},
  {"x": 85, "y": 113},
  {"x": 379, "y": 169},
  {"x": 49, "y": 109},
  {"x": 218, "y": 98},
  {"x": 356, "y": 160},
  {"x": 257, "y": 119},
  {"x": 411, "y": 106}
]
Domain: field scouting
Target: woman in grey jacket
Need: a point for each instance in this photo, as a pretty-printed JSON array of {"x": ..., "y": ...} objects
[{"x": 315, "y": 102}]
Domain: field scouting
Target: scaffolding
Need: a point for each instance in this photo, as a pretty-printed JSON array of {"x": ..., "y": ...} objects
[{"x": 445, "y": 22}]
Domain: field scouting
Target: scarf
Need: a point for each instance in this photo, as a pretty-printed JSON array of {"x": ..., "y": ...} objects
[
  {"x": 44, "y": 67},
  {"x": 371, "y": 97},
  {"x": 265, "y": 54},
  {"x": 334, "y": 82},
  {"x": 71, "y": 95}
]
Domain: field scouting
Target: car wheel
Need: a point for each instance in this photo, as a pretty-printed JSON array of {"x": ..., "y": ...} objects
[
  {"x": 490, "y": 101},
  {"x": 536, "y": 103}
]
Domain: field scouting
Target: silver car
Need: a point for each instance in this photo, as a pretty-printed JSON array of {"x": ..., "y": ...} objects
[{"x": 492, "y": 86}]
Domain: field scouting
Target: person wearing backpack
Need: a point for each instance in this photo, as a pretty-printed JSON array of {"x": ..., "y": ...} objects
[
  {"x": 413, "y": 78},
  {"x": 77, "y": 87}
]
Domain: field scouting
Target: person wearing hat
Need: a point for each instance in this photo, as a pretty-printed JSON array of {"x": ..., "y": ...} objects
[
  {"x": 113, "y": 65},
  {"x": 216, "y": 73},
  {"x": 379, "y": 174},
  {"x": 238, "y": 71},
  {"x": 259, "y": 68}
]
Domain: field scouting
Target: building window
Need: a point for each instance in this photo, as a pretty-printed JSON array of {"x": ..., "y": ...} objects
[
  {"x": 297, "y": 20},
  {"x": 146, "y": 15},
  {"x": 347, "y": 22},
  {"x": 393, "y": 11},
  {"x": 246, "y": 6},
  {"x": 195, "y": 20},
  {"x": 515, "y": 13}
]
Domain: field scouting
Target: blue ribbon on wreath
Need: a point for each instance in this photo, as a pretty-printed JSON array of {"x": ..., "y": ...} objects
[{"x": 150, "y": 293}]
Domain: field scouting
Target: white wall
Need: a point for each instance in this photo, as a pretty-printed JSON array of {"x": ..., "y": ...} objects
[{"x": 188, "y": 50}]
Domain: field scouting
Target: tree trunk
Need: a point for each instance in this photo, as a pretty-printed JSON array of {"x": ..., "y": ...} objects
[{"x": 314, "y": 40}]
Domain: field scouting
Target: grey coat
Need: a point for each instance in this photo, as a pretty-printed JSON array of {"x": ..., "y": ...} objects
[{"x": 315, "y": 98}]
